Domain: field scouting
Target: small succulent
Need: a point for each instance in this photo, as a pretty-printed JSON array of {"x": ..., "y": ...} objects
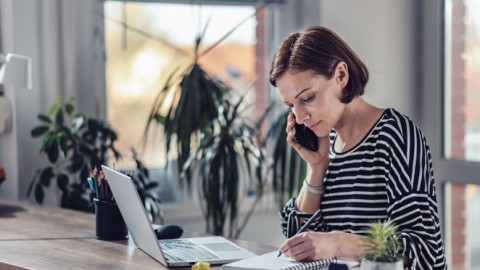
[{"x": 384, "y": 241}]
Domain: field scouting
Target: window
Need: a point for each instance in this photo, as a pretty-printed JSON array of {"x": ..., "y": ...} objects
[
  {"x": 461, "y": 140},
  {"x": 147, "y": 41},
  {"x": 462, "y": 80}
]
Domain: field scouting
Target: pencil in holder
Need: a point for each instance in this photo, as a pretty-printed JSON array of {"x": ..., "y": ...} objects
[{"x": 109, "y": 221}]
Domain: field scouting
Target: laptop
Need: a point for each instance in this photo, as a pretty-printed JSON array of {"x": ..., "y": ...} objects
[{"x": 169, "y": 252}]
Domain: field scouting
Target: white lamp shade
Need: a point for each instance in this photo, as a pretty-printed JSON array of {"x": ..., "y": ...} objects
[{"x": 16, "y": 71}]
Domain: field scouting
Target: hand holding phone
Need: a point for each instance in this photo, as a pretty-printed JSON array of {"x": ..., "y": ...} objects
[{"x": 305, "y": 137}]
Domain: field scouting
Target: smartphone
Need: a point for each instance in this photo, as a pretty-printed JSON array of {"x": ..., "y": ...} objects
[{"x": 305, "y": 137}]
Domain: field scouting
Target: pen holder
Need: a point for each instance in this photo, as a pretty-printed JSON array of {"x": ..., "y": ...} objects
[{"x": 109, "y": 221}]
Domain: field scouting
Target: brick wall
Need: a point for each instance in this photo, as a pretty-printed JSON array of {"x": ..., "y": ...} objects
[
  {"x": 457, "y": 224},
  {"x": 262, "y": 65}
]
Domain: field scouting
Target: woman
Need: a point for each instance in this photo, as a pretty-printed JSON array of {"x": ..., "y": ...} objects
[{"x": 372, "y": 164}]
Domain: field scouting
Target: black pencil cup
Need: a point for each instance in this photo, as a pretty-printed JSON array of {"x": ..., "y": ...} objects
[{"x": 109, "y": 221}]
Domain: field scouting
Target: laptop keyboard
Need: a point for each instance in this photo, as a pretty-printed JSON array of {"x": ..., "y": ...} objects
[{"x": 185, "y": 250}]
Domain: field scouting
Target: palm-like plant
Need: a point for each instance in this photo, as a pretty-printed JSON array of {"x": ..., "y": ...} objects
[
  {"x": 230, "y": 162},
  {"x": 288, "y": 168},
  {"x": 146, "y": 189},
  {"x": 383, "y": 241},
  {"x": 199, "y": 115},
  {"x": 191, "y": 98},
  {"x": 196, "y": 97}
]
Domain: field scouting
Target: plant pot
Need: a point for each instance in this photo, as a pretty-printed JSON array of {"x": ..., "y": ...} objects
[{"x": 372, "y": 265}]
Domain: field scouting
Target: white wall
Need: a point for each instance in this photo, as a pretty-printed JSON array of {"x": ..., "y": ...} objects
[
  {"x": 383, "y": 33},
  {"x": 64, "y": 38},
  {"x": 16, "y": 145}
]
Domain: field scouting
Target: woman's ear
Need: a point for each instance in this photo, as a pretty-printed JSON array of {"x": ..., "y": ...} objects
[{"x": 341, "y": 73}]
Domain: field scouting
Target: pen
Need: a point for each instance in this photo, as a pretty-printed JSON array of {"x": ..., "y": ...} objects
[
  {"x": 305, "y": 226},
  {"x": 95, "y": 180},
  {"x": 90, "y": 183}
]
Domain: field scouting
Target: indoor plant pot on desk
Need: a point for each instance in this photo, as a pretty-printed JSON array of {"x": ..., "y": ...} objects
[{"x": 384, "y": 243}]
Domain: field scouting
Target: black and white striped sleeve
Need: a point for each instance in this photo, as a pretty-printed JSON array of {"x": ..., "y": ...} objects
[
  {"x": 411, "y": 194},
  {"x": 293, "y": 220}
]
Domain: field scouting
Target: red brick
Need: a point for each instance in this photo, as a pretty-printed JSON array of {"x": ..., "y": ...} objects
[{"x": 458, "y": 223}]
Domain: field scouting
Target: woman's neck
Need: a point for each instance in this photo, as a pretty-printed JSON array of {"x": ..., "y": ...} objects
[{"x": 358, "y": 118}]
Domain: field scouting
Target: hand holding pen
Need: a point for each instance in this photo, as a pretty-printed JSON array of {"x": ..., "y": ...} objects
[{"x": 305, "y": 226}]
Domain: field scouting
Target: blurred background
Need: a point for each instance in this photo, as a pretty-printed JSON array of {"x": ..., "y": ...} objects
[{"x": 113, "y": 57}]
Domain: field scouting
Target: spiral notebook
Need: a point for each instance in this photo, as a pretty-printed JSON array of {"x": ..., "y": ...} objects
[{"x": 270, "y": 260}]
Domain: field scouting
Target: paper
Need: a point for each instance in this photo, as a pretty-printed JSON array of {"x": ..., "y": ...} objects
[{"x": 270, "y": 260}]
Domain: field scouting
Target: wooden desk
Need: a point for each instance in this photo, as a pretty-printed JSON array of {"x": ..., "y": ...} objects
[{"x": 42, "y": 237}]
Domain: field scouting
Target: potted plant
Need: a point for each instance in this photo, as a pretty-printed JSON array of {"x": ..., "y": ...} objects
[
  {"x": 74, "y": 144},
  {"x": 201, "y": 124},
  {"x": 228, "y": 163},
  {"x": 188, "y": 100},
  {"x": 383, "y": 241},
  {"x": 146, "y": 189},
  {"x": 288, "y": 169}
]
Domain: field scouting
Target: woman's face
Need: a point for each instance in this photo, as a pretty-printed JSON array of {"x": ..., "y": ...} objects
[{"x": 314, "y": 100}]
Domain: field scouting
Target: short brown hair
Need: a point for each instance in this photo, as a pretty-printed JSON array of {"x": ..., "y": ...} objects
[{"x": 320, "y": 50}]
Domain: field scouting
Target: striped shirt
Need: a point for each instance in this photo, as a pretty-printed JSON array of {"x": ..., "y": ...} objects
[{"x": 387, "y": 176}]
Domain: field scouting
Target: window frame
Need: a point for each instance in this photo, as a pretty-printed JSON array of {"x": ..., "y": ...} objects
[
  {"x": 434, "y": 112},
  {"x": 433, "y": 98}
]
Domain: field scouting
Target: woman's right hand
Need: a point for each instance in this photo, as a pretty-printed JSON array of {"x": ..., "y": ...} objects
[{"x": 313, "y": 158}]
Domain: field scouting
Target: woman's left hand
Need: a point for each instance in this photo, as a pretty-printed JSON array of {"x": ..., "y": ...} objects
[{"x": 311, "y": 245}]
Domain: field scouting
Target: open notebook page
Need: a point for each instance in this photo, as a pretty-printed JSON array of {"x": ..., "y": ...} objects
[{"x": 271, "y": 261}]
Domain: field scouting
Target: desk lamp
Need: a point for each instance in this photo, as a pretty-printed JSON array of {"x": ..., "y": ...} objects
[{"x": 16, "y": 71}]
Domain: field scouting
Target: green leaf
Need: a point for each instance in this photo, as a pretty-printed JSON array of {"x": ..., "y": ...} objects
[
  {"x": 116, "y": 154},
  {"x": 39, "y": 194},
  {"x": 288, "y": 169},
  {"x": 76, "y": 164},
  {"x": 39, "y": 131},
  {"x": 84, "y": 173},
  {"x": 383, "y": 241},
  {"x": 52, "y": 151},
  {"x": 62, "y": 141},
  {"x": 85, "y": 148},
  {"x": 33, "y": 182},
  {"x": 62, "y": 182},
  {"x": 59, "y": 118},
  {"x": 112, "y": 135},
  {"x": 69, "y": 100},
  {"x": 69, "y": 108},
  {"x": 151, "y": 185},
  {"x": 46, "y": 142},
  {"x": 46, "y": 176},
  {"x": 44, "y": 118},
  {"x": 160, "y": 119},
  {"x": 55, "y": 105}
]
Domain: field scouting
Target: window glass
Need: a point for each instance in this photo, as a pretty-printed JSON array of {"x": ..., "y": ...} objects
[
  {"x": 473, "y": 223},
  {"x": 462, "y": 222},
  {"x": 462, "y": 80},
  {"x": 155, "y": 40},
  {"x": 462, "y": 130}
]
